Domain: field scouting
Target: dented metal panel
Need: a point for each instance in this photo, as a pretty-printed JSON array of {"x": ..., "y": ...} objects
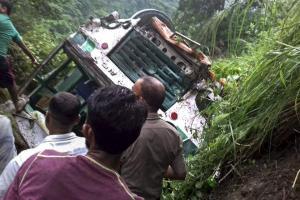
[{"x": 110, "y": 50}]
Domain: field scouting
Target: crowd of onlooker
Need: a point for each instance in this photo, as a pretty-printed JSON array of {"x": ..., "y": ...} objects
[{"x": 126, "y": 152}]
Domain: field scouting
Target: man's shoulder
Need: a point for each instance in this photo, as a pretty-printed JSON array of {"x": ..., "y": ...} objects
[
  {"x": 161, "y": 132},
  {"x": 160, "y": 124},
  {"x": 41, "y": 162},
  {"x": 50, "y": 156},
  {"x": 67, "y": 137},
  {"x": 4, "y": 17},
  {"x": 24, "y": 155},
  {"x": 64, "y": 166},
  {"x": 6, "y": 21},
  {"x": 82, "y": 139},
  {"x": 76, "y": 138},
  {"x": 49, "y": 153}
]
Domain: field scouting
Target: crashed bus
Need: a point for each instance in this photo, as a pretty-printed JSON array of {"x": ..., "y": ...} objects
[{"x": 111, "y": 50}]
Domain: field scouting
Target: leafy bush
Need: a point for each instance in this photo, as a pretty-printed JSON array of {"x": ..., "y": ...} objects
[
  {"x": 229, "y": 28},
  {"x": 44, "y": 23},
  {"x": 245, "y": 120}
]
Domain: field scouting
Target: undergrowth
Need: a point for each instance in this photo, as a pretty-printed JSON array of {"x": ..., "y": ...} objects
[{"x": 262, "y": 82}]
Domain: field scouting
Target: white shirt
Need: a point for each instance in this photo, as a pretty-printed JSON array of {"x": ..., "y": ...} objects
[
  {"x": 7, "y": 142},
  {"x": 66, "y": 143}
]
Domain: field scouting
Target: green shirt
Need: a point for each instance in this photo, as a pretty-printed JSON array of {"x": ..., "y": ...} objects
[{"x": 7, "y": 33}]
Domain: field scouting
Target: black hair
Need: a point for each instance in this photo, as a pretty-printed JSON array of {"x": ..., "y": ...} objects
[
  {"x": 116, "y": 116},
  {"x": 7, "y": 4},
  {"x": 152, "y": 93},
  {"x": 64, "y": 107}
]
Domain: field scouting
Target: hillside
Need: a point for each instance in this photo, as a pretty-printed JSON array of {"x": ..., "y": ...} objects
[
  {"x": 251, "y": 138},
  {"x": 43, "y": 24},
  {"x": 70, "y": 13},
  {"x": 128, "y": 7},
  {"x": 250, "y": 142}
]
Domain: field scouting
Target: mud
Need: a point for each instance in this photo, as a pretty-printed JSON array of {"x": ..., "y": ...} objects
[{"x": 268, "y": 178}]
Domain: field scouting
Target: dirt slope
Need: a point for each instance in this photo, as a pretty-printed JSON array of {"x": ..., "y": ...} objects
[{"x": 268, "y": 178}]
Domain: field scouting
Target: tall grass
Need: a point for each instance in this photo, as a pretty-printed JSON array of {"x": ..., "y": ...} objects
[
  {"x": 239, "y": 24},
  {"x": 247, "y": 118}
]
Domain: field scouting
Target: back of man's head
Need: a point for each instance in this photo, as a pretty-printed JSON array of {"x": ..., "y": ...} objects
[
  {"x": 152, "y": 91},
  {"x": 64, "y": 109},
  {"x": 7, "y": 4},
  {"x": 116, "y": 117}
]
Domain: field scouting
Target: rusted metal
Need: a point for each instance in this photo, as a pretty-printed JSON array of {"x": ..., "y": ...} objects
[{"x": 172, "y": 38}]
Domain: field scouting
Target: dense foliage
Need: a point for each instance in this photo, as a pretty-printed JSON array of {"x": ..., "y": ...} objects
[
  {"x": 260, "y": 43},
  {"x": 44, "y": 24},
  {"x": 262, "y": 101},
  {"x": 226, "y": 26}
]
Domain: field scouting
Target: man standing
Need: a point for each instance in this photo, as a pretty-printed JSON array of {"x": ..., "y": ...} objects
[
  {"x": 157, "y": 153},
  {"x": 7, "y": 144},
  {"x": 114, "y": 121},
  {"x": 62, "y": 115},
  {"x": 9, "y": 33}
]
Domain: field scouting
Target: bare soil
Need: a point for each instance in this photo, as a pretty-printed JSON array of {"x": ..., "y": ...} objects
[{"x": 269, "y": 178}]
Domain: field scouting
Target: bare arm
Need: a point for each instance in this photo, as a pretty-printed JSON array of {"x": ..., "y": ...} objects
[
  {"x": 177, "y": 170},
  {"x": 24, "y": 48}
]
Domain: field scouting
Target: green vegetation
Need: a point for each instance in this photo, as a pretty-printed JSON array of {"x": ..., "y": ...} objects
[
  {"x": 258, "y": 42},
  {"x": 228, "y": 29},
  {"x": 44, "y": 24},
  {"x": 262, "y": 97}
]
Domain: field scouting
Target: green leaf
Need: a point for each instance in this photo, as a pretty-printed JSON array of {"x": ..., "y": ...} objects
[{"x": 282, "y": 78}]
